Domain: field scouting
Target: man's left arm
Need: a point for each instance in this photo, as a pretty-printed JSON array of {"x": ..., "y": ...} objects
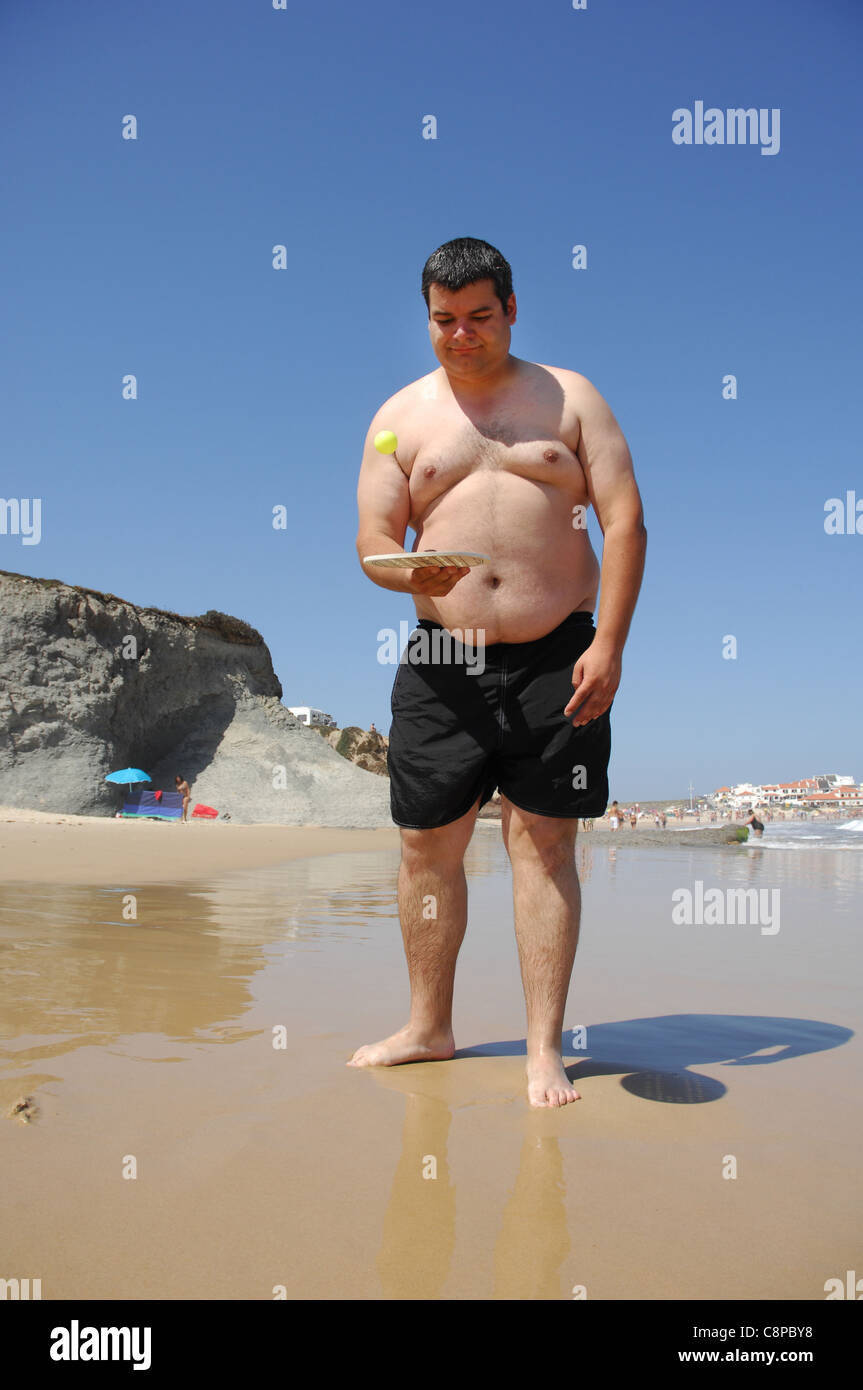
[{"x": 613, "y": 491}]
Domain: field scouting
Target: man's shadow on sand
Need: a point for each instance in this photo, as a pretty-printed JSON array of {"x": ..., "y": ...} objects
[{"x": 654, "y": 1055}]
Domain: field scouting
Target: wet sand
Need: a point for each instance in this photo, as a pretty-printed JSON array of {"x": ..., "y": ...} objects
[{"x": 147, "y": 1043}]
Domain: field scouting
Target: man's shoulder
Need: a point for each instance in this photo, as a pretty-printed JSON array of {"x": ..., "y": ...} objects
[
  {"x": 405, "y": 399},
  {"x": 573, "y": 382}
]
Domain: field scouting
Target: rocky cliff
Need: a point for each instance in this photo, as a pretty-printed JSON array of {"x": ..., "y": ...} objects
[
  {"x": 364, "y": 747},
  {"x": 90, "y": 683}
]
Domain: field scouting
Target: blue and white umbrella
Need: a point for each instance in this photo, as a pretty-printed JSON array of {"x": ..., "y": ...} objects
[{"x": 128, "y": 775}]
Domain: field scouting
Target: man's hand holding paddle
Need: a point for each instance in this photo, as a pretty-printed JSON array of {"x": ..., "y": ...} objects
[
  {"x": 433, "y": 581},
  {"x": 431, "y": 573}
]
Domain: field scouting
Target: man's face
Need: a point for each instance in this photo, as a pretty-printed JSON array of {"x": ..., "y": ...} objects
[{"x": 469, "y": 331}]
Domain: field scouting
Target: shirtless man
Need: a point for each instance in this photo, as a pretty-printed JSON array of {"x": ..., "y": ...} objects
[
  {"x": 185, "y": 792},
  {"x": 503, "y": 456}
]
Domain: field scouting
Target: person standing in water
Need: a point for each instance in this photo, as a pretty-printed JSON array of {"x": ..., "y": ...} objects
[{"x": 502, "y": 456}]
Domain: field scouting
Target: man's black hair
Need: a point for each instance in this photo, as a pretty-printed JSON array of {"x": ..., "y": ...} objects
[{"x": 464, "y": 261}]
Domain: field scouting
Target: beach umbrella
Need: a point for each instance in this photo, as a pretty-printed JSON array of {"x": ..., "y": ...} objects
[{"x": 128, "y": 775}]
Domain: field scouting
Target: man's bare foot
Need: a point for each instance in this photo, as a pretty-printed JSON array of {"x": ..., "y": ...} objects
[
  {"x": 409, "y": 1044},
  {"x": 547, "y": 1082}
]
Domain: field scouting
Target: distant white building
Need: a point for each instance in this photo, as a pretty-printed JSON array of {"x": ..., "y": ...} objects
[
  {"x": 312, "y": 717},
  {"x": 744, "y": 794}
]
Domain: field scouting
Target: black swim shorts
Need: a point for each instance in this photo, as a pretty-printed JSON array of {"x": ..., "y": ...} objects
[{"x": 461, "y": 730}]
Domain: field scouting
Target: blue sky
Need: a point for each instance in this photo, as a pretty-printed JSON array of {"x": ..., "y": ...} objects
[{"x": 304, "y": 127}]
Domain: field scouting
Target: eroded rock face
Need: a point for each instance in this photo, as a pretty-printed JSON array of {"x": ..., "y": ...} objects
[
  {"x": 90, "y": 683},
  {"x": 365, "y": 747}
]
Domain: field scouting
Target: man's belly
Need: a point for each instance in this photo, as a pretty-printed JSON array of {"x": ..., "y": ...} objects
[{"x": 526, "y": 590}]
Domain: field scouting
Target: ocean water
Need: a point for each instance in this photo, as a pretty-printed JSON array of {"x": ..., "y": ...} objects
[{"x": 808, "y": 835}]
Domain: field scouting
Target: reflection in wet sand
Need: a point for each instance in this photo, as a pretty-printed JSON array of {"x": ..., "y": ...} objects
[
  {"x": 534, "y": 1239},
  {"x": 88, "y": 965},
  {"x": 419, "y": 1225}
]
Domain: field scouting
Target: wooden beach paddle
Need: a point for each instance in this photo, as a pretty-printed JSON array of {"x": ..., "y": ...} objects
[{"x": 421, "y": 559}]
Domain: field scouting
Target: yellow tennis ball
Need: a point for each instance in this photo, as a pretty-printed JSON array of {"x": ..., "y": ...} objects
[{"x": 386, "y": 442}]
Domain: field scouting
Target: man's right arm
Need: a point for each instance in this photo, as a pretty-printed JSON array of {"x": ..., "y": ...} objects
[{"x": 384, "y": 506}]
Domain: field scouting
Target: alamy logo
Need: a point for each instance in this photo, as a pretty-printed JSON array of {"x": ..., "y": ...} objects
[
  {"x": 844, "y": 516},
  {"x": 437, "y": 647},
  {"x": 76, "y": 1343},
  {"x": 21, "y": 516},
  {"x": 728, "y": 908},
  {"x": 19, "y": 1289},
  {"x": 735, "y": 126},
  {"x": 834, "y": 1288}
]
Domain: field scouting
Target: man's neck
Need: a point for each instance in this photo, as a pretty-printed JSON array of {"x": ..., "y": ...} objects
[{"x": 480, "y": 389}]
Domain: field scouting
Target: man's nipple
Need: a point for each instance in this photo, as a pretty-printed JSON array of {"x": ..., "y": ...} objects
[
  {"x": 430, "y": 471},
  {"x": 551, "y": 455}
]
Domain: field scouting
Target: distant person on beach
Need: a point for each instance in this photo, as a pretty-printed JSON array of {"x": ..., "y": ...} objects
[
  {"x": 633, "y": 819},
  {"x": 614, "y": 815},
  {"x": 663, "y": 819},
  {"x": 372, "y": 729},
  {"x": 502, "y": 456},
  {"x": 757, "y": 827},
  {"x": 185, "y": 792}
]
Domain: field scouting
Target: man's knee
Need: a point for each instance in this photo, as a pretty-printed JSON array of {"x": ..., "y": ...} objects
[
  {"x": 445, "y": 845},
  {"x": 547, "y": 840}
]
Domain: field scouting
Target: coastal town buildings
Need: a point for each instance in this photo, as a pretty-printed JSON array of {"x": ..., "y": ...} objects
[{"x": 829, "y": 790}]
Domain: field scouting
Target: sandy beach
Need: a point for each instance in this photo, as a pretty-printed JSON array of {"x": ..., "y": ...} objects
[
  {"x": 49, "y": 847},
  {"x": 44, "y": 847},
  {"x": 194, "y": 1132}
]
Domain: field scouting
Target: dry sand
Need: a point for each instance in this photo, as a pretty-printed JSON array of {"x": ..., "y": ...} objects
[{"x": 44, "y": 847}]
